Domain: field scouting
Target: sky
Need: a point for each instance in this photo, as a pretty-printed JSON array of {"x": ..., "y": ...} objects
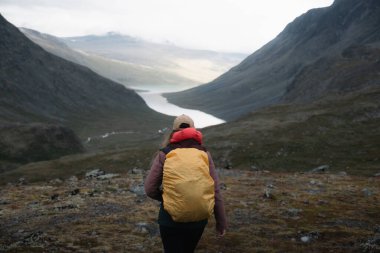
[{"x": 221, "y": 25}]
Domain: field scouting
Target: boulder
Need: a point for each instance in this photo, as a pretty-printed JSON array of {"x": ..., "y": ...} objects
[
  {"x": 107, "y": 176},
  {"x": 138, "y": 189},
  {"x": 95, "y": 173},
  {"x": 320, "y": 169}
]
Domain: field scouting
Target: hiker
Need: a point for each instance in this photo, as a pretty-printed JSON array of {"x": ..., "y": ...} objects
[{"x": 183, "y": 178}]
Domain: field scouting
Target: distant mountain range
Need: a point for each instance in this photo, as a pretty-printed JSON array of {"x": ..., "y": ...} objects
[
  {"x": 139, "y": 64},
  {"x": 308, "y": 98},
  {"x": 327, "y": 51},
  {"x": 37, "y": 86}
]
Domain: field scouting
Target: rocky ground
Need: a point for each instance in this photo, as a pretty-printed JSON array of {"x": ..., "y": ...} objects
[{"x": 267, "y": 212}]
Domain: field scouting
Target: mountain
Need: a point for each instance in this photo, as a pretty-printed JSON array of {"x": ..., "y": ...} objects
[
  {"x": 137, "y": 63},
  {"x": 129, "y": 73},
  {"x": 170, "y": 67},
  {"x": 37, "y": 86},
  {"x": 343, "y": 134},
  {"x": 332, "y": 50}
]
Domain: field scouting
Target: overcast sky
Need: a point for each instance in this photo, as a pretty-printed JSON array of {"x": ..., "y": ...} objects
[{"x": 221, "y": 25}]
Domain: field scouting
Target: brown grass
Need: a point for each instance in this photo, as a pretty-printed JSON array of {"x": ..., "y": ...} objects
[{"x": 106, "y": 217}]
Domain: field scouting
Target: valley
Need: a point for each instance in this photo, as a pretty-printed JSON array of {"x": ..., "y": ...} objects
[
  {"x": 139, "y": 64},
  {"x": 293, "y": 129}
]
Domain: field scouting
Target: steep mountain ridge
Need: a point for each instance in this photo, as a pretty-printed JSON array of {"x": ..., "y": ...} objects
[
  {"x": 40, "y": 87},
  {"x": 271, "y": 75},
  {"x": 129, "y": 73}
]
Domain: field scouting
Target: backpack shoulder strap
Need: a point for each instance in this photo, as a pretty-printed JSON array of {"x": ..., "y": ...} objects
[{"x": 166, "y": 149}]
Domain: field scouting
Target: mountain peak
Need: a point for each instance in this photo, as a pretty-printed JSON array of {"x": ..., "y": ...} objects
[{"x": 112, "y": 33}]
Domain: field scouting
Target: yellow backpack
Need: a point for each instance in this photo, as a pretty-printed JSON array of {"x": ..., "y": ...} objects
[{"x": 188, "y": 188}]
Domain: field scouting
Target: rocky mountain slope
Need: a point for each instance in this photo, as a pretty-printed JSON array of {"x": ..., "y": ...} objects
[
  {"x": 333, "y": 50},
  {"x": 37, "y": 86}
]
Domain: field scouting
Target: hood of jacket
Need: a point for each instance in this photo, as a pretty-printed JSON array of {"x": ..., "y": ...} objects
[{"x": 185, "y": 134}]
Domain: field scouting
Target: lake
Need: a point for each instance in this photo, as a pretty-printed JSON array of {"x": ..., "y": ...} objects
[{"x": 160, "y": 104}]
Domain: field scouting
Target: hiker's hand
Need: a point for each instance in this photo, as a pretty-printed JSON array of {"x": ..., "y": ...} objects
[{"x": 221, "y": 233}]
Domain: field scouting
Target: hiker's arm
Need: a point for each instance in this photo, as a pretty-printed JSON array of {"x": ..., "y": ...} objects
[
  {"x": 220, "y": 215},
  {"x": 154, "y": 179}
]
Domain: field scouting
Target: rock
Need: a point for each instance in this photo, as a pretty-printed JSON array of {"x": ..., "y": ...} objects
[
  {"x": 34, "y": 204},
  {"x": 33, "y": 237},
  {"x": 377, "y": 175},
  {"x": 316, "y": 182},
  {"x": 74, "y": 192},
  {"x": 138, "y": 190},
  {"x": 268, "y": 194},
  {"x": 367, "y": 192},
  {"x": 342, "y": 173},
  {"x": 228, "y": 165},
  {"x": 314, "y": 191},
  {"x": 292, "y": 212},
  {"x": 305, "y": 239},
  {"x": 64, "y": 207},
  {"x": 146, "y": 228},
  {"x": 223, "y": 186},
  {"x": 322, "y": 202},
  {"x": 21, "y": 181},
  {"x": 54, "y": 196},
  {"x": 4, "y": 202},
  {"x": 372, "y": 244},
  {"x": 95, "y": 173},
  {"x": 137, "y": 171},
  {"x": 309, "y": 237},
  {"x": 73, "y": 179},
  {"x": 142, "y": 227},
  {"x": 320, "y": 169},
  {"x": 107, "y": 176},
  {"x": 254, "y": 168},
  {"x": 56, "y": 181},
  {"x": 100, "y": 174}
]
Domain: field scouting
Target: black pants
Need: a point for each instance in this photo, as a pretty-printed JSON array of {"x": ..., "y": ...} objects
[{"x": 180, "y": 240}]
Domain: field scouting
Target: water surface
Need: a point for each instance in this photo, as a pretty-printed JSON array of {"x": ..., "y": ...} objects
[{"x": 160, "y": 104}]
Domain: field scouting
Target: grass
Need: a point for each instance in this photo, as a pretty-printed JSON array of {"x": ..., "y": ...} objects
[
  {"x": 118, "y": 161},
  {"x": 339, "y": 217},
  {"x": 341, "y": 133},
  {"x": 268, "y": 150}
]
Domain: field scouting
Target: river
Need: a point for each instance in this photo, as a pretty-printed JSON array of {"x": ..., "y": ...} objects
[{"x": 160, "y": 104}]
